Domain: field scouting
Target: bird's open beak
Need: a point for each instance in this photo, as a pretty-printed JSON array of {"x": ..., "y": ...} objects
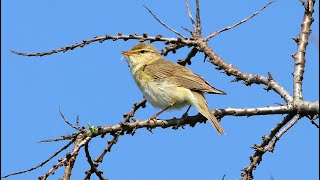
[{"x": 127, "y": 53}]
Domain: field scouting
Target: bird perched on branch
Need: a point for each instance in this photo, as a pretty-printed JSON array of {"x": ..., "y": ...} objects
[{"x": 168, "y": 85}]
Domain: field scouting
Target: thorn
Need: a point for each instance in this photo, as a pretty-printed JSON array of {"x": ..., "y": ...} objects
[
  {"x": 150, "y": 129},
  {"x": 270, "y": 76},
  {"x": 296, "y": 39}
]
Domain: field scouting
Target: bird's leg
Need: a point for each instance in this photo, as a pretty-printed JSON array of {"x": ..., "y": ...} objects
[
  {"x": 154, "y": 117},
  {"x": 186, "y": 113}
]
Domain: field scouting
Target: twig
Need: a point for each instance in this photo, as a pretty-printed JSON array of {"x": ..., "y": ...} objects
[
  {"x": 187, "y": 60},
  {"x": 186, "y": 29},
  {"x": 190, "y": 15},
  {"x": 43, "y": 163},
  {"x": 136, "y": 106},
  {"x": 70, "y": 124},
  {"x": 92, "y": 164},
  {"x": 235, "y": 25},
  {"x": 62, "y": 138},
  {"x": 162, "y": 23},
  {"x": 173, "y": 48},
  {"x": 272, "y": 144}
]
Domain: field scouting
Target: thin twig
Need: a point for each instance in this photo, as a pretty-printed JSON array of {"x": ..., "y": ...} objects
[
  {"x": 190, "y": 15},
  {"x": 186, "y": 29},
  {"x": 43, "y": 163},
  {"x": 235, "y": 25},
  {"x": 62, "y": 138},
  {"x": 66, "y": 121},
  {"x": 162, "y": 23},
  {"x": 92, "y": 164}
]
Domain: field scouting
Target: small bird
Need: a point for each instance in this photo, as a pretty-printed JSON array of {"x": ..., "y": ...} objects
[{"x": 168, "y": 85}]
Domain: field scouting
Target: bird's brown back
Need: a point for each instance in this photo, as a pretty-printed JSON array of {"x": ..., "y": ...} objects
[{"x": 161, "y": 69}]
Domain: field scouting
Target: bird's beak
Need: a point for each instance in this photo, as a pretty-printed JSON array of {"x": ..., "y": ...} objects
[{"x": 127, "y": 53}]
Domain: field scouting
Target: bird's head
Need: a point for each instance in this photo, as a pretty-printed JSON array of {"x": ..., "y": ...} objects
[{"x": 141, "y": 53}]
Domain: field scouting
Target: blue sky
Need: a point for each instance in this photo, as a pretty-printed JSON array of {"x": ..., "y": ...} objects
[{"x": 95, "y": 83}]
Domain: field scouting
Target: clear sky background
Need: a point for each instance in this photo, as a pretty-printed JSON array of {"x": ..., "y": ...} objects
[{"x": 95, "y": 83}]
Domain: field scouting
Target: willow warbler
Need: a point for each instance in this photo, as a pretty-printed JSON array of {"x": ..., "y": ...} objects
[{"x": 168, "y": 85}]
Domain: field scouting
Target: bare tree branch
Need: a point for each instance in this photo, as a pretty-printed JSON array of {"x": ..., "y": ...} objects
[
  {"x": 193, "y": 120},
  {"x": 295, "y": 107},
  {"x": 92, "y": 164},
  {"x": 109, "y": 37},
  {"x": 299, "y": 56},
  {"x": 260, "y": 149},
  {"x": 67, "y": 159},
  {"x": 247, "y": 78}
]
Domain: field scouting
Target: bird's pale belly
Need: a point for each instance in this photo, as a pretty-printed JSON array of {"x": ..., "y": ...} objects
[{"x": 162, "y": 94}]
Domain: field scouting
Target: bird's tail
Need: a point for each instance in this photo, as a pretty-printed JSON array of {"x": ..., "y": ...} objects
[{"x": 202, "y": 106}]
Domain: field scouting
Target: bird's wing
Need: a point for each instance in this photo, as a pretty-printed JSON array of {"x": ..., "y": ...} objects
[{"x": 166, "y": 70}]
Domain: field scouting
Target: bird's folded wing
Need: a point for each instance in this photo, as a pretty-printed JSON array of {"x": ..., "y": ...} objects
[{"x": 166, "y": 70}]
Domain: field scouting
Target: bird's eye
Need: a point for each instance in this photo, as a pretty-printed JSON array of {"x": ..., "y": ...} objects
[{"x": 142, "y": 51}]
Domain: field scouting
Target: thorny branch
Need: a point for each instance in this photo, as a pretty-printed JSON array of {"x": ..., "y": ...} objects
[
  {"x": 295, "y": 108},
  {"x": 262, "y": 148},
  {"x": 299, "y": 56},
  {"x": 101, "y": 39},
  {"x": 116, "y": 136}
]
